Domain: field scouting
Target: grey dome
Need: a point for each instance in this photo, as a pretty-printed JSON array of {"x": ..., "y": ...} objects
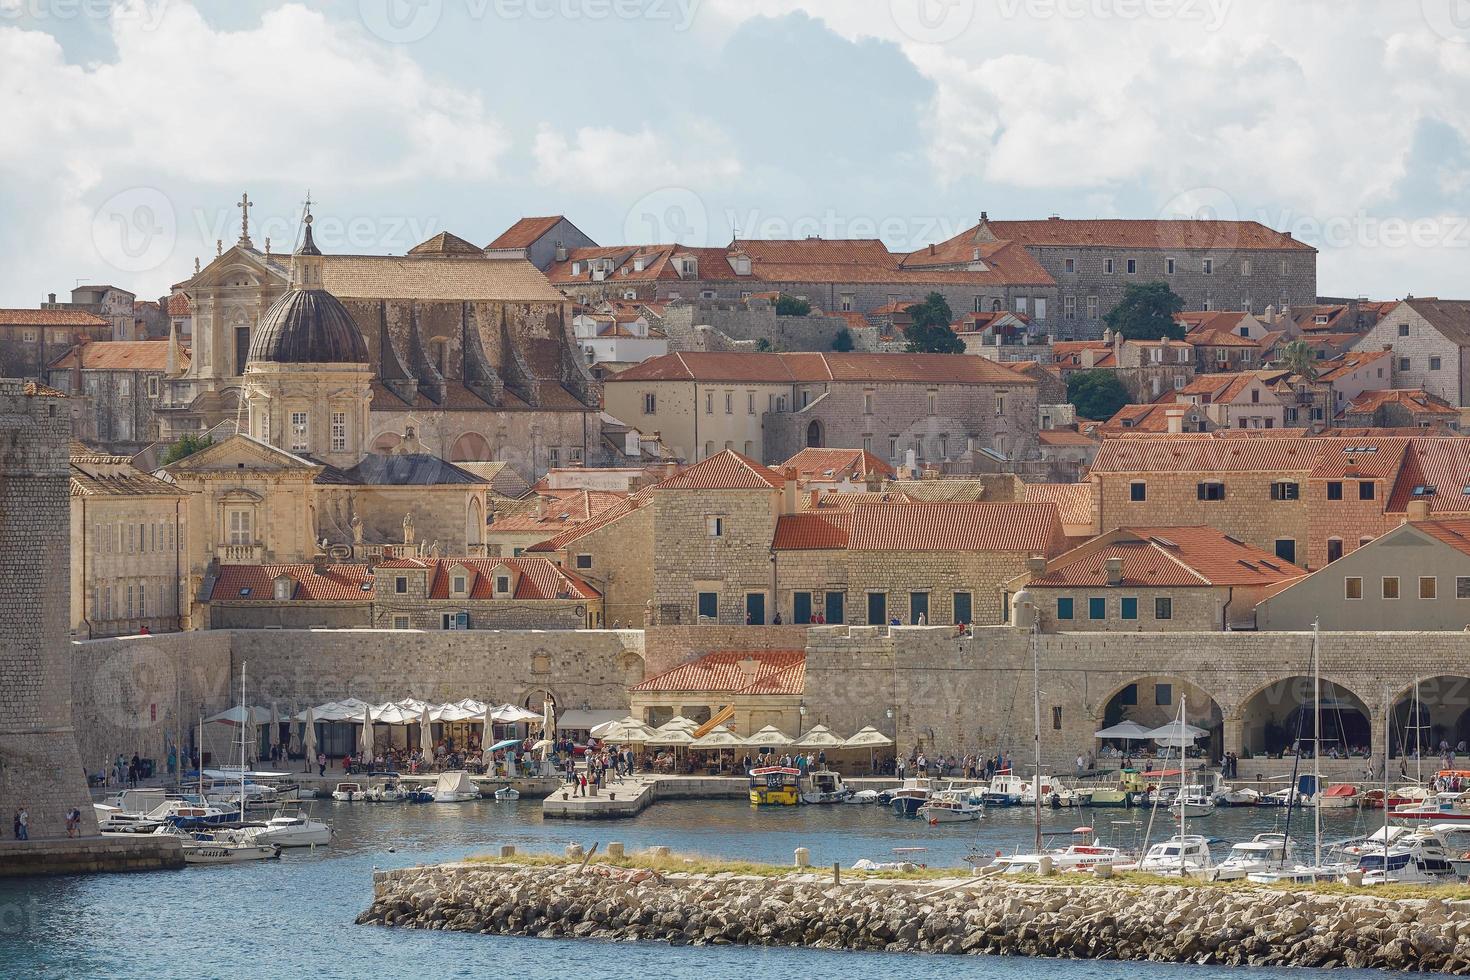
[{"x": 308, "y": 326}]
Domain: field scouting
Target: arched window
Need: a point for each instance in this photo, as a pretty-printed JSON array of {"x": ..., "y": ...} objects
[
  {"x": 474, "y": 523},
  {"x": 814, "y": 435},
  {"x": 470, "y": 447}
]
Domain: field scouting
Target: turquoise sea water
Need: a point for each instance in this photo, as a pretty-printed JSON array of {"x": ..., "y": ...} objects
[{"x": 294, "y": 918}]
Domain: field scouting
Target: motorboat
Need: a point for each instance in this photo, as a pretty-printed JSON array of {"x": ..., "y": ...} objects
[
  {"x": 192, "y": 811},
  {"x": 951, "y": 806},
  {"x": 1399, "y": 796},
  {"x": 1343, "y": 796},
  {"x": 1075, "y": 857},
  {"x": 1300, "y": 874},
  {"x": 388, "y": 791},
  {"x": 507, "y": 794},
  {"x": 455, "y": 786},
  {"x": 1441, "y": 806},
  {"x": 1053, "y": 794},
  {"x": 1237, "y": 797},
  {"x": 824, "y": 786},
  {"x": 349, "y": 793},
  {"x": 914, "y": 793},
  {"x": 1281, "y": 797},
  {"x": 219, "y": 846},
  {"x": 1194, "y": 800},
  {"x": 1129, "y": 790},
  {"x": 420, "y": 794},
  {"x": 775, "y": 786},
  {"x": 1004, "y": 789},
  {"x": 1188, "y": 855},
  {"x": 1264, "y": 852},
  {"x": 130, "y": 812},
  {"x": 1416, "y": 856},
  {"x": 290, "y": 828},
  {"x": 862, "y": 796}
]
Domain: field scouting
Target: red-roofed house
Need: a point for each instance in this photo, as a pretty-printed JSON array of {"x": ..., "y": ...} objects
[
  {"x": 1399, "y": 408},
  {"x": 118, "y": 383},
  {"x": 756, "y": 687},
  {"x": 542, "y": 240},
  {"x": 32, "y": 339},
  {"x": 1245, "y": 400},
  {"x": 1151, "y": 578},
  {"x": 839, "y": 469}
]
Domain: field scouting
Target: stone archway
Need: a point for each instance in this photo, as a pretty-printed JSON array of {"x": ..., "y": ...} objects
[
  {"x": 470, "y": 447},
  {"x": 385, "y": 443},
  {"x": 1281, "y": 715},
  {"x": 1435, "y": 711},
  {"x": 814, "y": 434},
  {"x": 1153, "y": 700}
]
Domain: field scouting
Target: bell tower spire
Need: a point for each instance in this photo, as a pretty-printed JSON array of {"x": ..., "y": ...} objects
[{"x": 306, "y": 263}]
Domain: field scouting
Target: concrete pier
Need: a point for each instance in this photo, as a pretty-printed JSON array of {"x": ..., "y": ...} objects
[{"x": 89, "y": 855}]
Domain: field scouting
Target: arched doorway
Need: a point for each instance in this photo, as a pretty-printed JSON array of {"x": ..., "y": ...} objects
[
  {"x": 814, "y": 435},
  {"x": 1153, "y": 701},
  {"x": 1434, "y": 712},
  {"x": 1280, "y": 718},
  {"x": 470, "y": 447},
  {"x": 384, "y": 444}
]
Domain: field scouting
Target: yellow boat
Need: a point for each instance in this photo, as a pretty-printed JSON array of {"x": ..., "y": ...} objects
[{"x": 775, "y": 786}]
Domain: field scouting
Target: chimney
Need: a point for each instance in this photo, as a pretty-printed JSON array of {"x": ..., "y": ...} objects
[
  {"x": 931, "y": 248},
  {"x": 984, "y": 217},
  {"x": 910, "y": 462},
  {"x": 788, "y": 491},
  {"x": 749, "y": 667},
  {"x": 1089, "y": 357},
  {"x": 1418, "y": 510},
  {"x": 816, "y": 500},
  {"x": 540, "y": 507},
  {"x": 561, "y": 252},
  {"x": 1114, "y": 569},
  {"x": 319, "y": 563},
  {"x": 51, "y": 298},
  {"x": 1036, "y": 565},
  {"x": 1174, "y": 418}
]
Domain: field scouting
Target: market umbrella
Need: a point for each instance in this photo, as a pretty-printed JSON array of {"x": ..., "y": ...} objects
[
  {"x": 1177, "y": 733},
  {"x": 275, "y": 726},
  {"x": 1130, "y": 731},
  {"x": 871, "y": 739},
  {"x": 670, "y": 736},
  {"x": 679, "y": 721},
  {"x": 819, "y": 737},
  {"x": 365, "y": 744},
  {"x": 548, "y": 726},
  {"x": 769, "y": 737},
  {"x": 309, "y": 739},
  {"x": 426, "y": 734}
]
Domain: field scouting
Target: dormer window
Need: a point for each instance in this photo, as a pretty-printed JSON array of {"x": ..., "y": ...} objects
[
  {"x": 576, "y": 268},
  {"x": 502, "y": 585},
  {"x": 283, "y": 587},
  {"x": 640, "y": 263},
  {"x": 459, "y": 584},
  {"x": 688, "y": 266},
  {"x": 741, "y": 264}
]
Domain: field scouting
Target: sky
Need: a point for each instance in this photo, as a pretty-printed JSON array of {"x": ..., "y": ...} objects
[{"x": 129, "y": 129}]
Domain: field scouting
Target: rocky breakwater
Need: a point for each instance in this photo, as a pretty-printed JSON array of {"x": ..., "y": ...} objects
[{"x": 1115, "y": 921}]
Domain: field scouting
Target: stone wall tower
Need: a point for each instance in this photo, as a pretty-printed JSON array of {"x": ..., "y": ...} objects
[{"x": 40, "y": 768}]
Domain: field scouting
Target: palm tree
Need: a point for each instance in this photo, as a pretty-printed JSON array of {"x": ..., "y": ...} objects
[{"x": 1299, "y": 357}]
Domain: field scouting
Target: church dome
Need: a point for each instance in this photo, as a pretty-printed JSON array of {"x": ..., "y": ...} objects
[{"x": 308, "y": 326}]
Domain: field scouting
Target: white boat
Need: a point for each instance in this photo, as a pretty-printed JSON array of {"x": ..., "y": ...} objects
[
  {"x": 388, "y": 791},
  {"x": 1195, "y": 801},
  {"x": 951, "y": 806},
  {"x": 1075, "y": 857},
  {"x": 1342, "y": 796},
  {"x": 1188, "y": 855},
  {"x": 455, "y": 786},
  {"x": 1264, "y": 852},
  {"x": 349, "y": 792},
  {"x": 220, "y": 846},
  {"x": 507, "y": 794},
  {"x": 1053, "y": 794},
  {"x": 1441, "y": 806},
  {"x": 1004, "y": 789},
  {"x": 191, "y": 811},
  {"x": 290, "y": 828},
  {"x": 824, "y": 786},
  {"x": 863, "y": 796},
  {"x": 913, "y": 794},
  {"x": 130, "y": 812},
  {"x": 1237, "y": 797},
  {"x": 1300, "y": 874},
  {"x": 1413, "y": 857}
]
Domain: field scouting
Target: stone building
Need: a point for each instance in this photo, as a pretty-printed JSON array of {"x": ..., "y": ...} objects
[
  {"x": 544, "y": 514},
  {"x": 1151, "y": 578},
  {"x": 1429, "y": 339},
  {"x": 1400, "y": 409},
  {"x": 770, "y": 406},
  {"x": 755, "y": 688},
  {"x": 1246, "y": 400},
  {"x": 42, "y": 769},
  {"x": 1147, "y": 368},
  {"x": 111, "y": 303},
  {"x": 31, "y": 339},
  {"x": 538, "y": 239},
  {"x": 404, "y": 593},
  {"x": 470, "y": 355},
  {"x": 117, "y": 385},
  {"x": 741, "y": 325},
  {"x": 614, "y": 553},
  {"x": 129, "y": 548},
  {"x": 1212, "y": 265}
]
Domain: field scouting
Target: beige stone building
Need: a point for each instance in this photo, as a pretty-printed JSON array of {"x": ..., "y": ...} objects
[
  {"x": 750, "y": 688},
  {"x": 129, "y": 548},
  {"x": 613, "y": 552}
]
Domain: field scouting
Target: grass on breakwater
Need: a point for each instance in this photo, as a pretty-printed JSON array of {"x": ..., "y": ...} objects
[{"x": 700, "y": 865}]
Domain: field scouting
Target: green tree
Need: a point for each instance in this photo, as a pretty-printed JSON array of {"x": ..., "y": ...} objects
[
  {"x": 1146, "y": 312},
  {"x": 1097, "y": 394},
  {"x": 762, "y": 344},
  {"x": 792, "y": 306},
  {"x": 188, "y": 445},
  {"x": 842, "y": 343},
  {"x": 930, "y": 333},
  {"x": 1298, "y": 357}
]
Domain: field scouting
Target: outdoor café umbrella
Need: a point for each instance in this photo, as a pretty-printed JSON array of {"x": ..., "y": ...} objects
[
  {"x": 627, "y": 731},
  {"x": 769, "y": 737},
  {"x": 426, "y": 734},
  {"x": 679, "y": 721},
  {"x": 1128, "y": 731},
  {"x": 275, "y": 726},
  {"x": 309, "y": 739},
  {"x": 819, "y": 737},
  {"x": 871, "y": 739},
  {"x": 1177, "y": 732},
  {"x": 718, "y": 737},
  {"x": 505, "y": 743},
  {"x": 365, "y": 744}
]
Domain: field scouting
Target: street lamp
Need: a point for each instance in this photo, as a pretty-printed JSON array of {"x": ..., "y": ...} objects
[{"x": 800, "y": 723}]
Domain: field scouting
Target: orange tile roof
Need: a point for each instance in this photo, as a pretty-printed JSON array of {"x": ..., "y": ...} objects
[
  {"x": 848, "y": 499},
  {"x": 1073, "y": 500},
  {"x": 775, "y": 671},
  {"x": 1130, "y": 233},
  {"x": 609, "y": 516},
  {"x": 1033, "y": 528},
  {"x": 725, "y": 470},
  {"x": 1455, "y": 533},
  {"x": 178, "y": 305},
  {"x": 525, "y": 232},
  {"x": 796, "y": 367},
  {"x": 445, "y": 243},
  {"x": 836, "y": 464},
  {"x": 1440, "y": 462},
  {"x": 1415, "y": 401},
  {"x": 1064, "y": 437},
  {"x": 119, "y": 355},
  {"x": 812, "y": 530},
  {"x": 50, "y": 318},
  {"x": 563, "y": 509},
  {"x": 256, "y": 583},
  {"x": 1348, "y": 362},
  {"x": 1169, "y": 557},
  {"x": 1205, "y": 453},
  {"x": 535, "y": 578}
]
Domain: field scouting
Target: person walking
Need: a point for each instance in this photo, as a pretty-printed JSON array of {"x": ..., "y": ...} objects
[
  {"x": 73, "y": 822},
  {"x": 321, "y": 763},
  {"x": 22, "y": 824}
]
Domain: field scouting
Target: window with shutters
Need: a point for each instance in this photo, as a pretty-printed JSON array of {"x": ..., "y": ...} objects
[
  {"x": 339, "y": 432},
  {"x": 238, "y": 526},
  {"x": 298, "y": 431}
]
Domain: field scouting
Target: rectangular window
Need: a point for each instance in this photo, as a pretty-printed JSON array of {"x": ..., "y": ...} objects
[
  {"x": 238, "y": 527},
  {"x": 1132, "y": 266},
  {"x": 1334, "y": 490},
  {"x": 1286, "y": 549},
  {"x": 1210, "y": 490},
  {"x": 1390, "y": 586},
  {"x": 1064, "y": 608},
  {"x": 1462, "y": 586},
  {"x": 1163, "y": 694},
  {"x": 1403, "y": 329},
  {"x": 584, "y": 561},
  {"x": 1434, "y": 363},
  {"x": 1069, "y": 265},
  {"x": 130, "y": 602},
  {"x": 1352, "y": 587},
  {"x": 867, "y": 444},
  {"x": 1334, "y": 549},
  {"x": 750, "y": 403},
  {"x": 400, "y": 585},
  {"x": 918, "y": 608},
  {"x": 553, "y": 457},
  {"x": 877, "y": 608},
  {"x": 1092, "y": 307},
  {"x": 1138, "y": 491},
  {"x": 298, "y": 431},
  {"x": 1208, "y": 267},
  {"x": 1428, "y": 587},
  {"x": 1168, "y": 267},
  {"x": 1000, "y": 405},
  {"x": 867, "y": 403},
  {"x": 729, "y": 403},
  {"x": 931, "y": 400},
  {"x": 1056, "y": 719},
  {"x": 459, "y": 583},
  {"x": 714, "y": 526},
  {"x": 1108, "y": 266},
  {"x": 1097, "y": 607},
  {"x": 963, "y": 604},
  {"x": 709, "y": 605},
  {"x": 801, "y": 607},
  {"x": 1285, "y": 490},
  {"x": 502, "y": 584},
  {"x": 400, "y": 622},
  {"x": 1069, "y": 307},
  {"x": 709, "y": 403},
  {"x": 143, "y": 598},
  {"x": 1365, "y": 489},
  {"x": 1129, "y": 607},
  {"x": 836, "y": 608},
  {"x": 339, "y": 432},
  {"x": 650, "y": 403},
  {"x": 1163, "y": 607},
  {"x": 1245, "y": 267},
  {"x": 1403, "y": 364}
]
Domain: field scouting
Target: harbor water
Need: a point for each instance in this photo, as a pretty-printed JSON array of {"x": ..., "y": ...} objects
[{"x": 293, "y": 918}]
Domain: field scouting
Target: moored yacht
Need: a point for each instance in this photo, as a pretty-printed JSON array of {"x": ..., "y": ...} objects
[
  {"x": 1075, "y": 857},
  {"x": 914, "y": 793},
  {"x": 1187, "y": 855},
  {"x": 1194, "y": 800},
  {"x": 289, "y": 828},
  {"x": 1264, "y": 852},
  {"x": 1004, "y": 789},
  {"x": 824, "y": 786}
]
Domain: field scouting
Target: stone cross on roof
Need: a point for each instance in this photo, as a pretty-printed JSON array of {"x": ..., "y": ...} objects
[{"x": 245, "y": 204}]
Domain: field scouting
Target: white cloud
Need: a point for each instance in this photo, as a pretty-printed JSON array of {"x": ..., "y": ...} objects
[{"x": 609, "y": 161}]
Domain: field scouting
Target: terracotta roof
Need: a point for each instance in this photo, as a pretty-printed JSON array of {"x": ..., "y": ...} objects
[
  {"x": 1203, "y": 337},
  {"x": 1068, "y": 353},
  {"x": 1415, "y": 401},
  {"x": 1206, "y": 453},
  {"x": 119, "y": 355},
  {"x": 256, "y": 583},
  {"x": 178, "y": 305},
  {"x": 837, "y": 464},
  {"x": 1209, "y": 320},
  {"x": 725, "y": 470},
  {"x": 1232, "y": 236},
  {"x": 1064, "y": 437},
  {"x": 431, "y": 278},
  {"x": 1167, "y": 556},
  {"x": 1221, "y": 388},
  {"x": 848, "y": 499},
  {"x": 50, "y": 318},
  {"x": 525, "y": 232},
  {"x": 1455, "y": 533},
  {"x": 534, "y": 578},
  {"x": 1033, "y": 528},
  {"x": 1151, "y": 417},
  {"x": 1349, "y": 362},
  {"x": 812, "y": 530},
  {"x": 564, "y": 508},
  {"x": 445, "y": 243},
  {"x": 39, "y": 390},
  {"x": 776, "y": 671},
  {"x": 98, "y": 474},
  {"x": 791, "y": 368},
  {"x": 609, "y": 516},
  {"x": 1073, "y": 500},
  {"x": 1438, "y": 462}
]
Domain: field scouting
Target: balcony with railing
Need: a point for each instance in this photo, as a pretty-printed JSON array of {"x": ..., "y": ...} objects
[{"x": 240, "y": 554}]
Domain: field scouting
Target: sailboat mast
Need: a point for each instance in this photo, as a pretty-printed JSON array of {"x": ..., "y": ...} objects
[
  {"x": 1316, "y": 746},
  {"x": 1183, "y": 713},
  {"x": 244, "y": 726},
  {"x": 1387, "y": 716},
  {"x": 1418, "y": 738},
  {"x": 1036, "y": 705}
]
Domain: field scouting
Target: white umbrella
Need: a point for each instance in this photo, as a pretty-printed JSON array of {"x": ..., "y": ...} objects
[
  {"x": 510, "y": 714},
  {"x": 310, "y": 739},
  {"x": 237, "y": 715},
  {"x": 548, "y": 726},
  {"x": 1177, "y": 733},
  {"x": 1130, "y": 731},
  {"x": 628, "y": 731},
  {"x": 868, "y": 738},
  {"x": 718, "y": 737},
  {"x": 426, "y": 734},
  {"x": 670, "y": 736},
  {"x": 275, "y": 726},
  {"x": 769, "y": 737},
  {"x": 679, "y": 721},
  {"x": 820, "y": 737},
  {"x": 365, "y": 744}
]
